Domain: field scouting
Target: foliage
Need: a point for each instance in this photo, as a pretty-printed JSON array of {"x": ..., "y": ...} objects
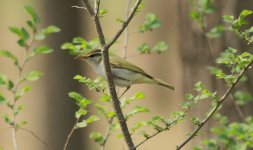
[
  {"x": 233, "y": 135},
  {"x": 151, "y": 22},
  {"x": 27, "y": 37},
  {"x": 231, "y": 67},
  {"x": 230, "y": 135}
]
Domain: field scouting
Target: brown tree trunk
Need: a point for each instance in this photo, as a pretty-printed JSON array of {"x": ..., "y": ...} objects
[{"x": 61, "y": 68}]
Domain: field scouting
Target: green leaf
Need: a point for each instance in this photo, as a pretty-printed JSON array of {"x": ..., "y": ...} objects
[
  {"x": 21, "y": 123},
  {"x": 120, "y": 20},
  {"x": 3, "y": 79},
  {"x": 81, "y": 101},
  {"x": 32, "y": 13},
  {"x": 92, "y": 118},
  {"x": 15, "y": 30},
  {"x": 10, "y": 84},
  {"x": 242, "y": 97},
  {"x": 33, "y": 76},
  {"x": 127, "y": 101},
  {"x": 105, "y": 98},
  {"x": 7, "y": 119},
  {"x": 2, "y": 99},
  {"x": 81, "y": 112},
  {"x": 41, "y": 35},
  {"x": 228, "y": 19},
  {"x": 151, "y": 22},
  {"x": 81, "y": 124},
  {"x": 139, "y": 8},
  {"x": 245, "y": 13},
  {"x": 76, "y": 96},
  {"x": 22, "y": 34},
  {"x": 97, "y": 137},
  {"x": 69, "y": 46},
  {"x": 18, "y": 109},
  {"x": 160, "y": 47},
  {"x": 195, "y": 15},
  {"x": 139, "y": 95},
  {"x": 9, "y": 55},
  {"x": 137, "y": 110},
  {"x": 144, "y": 48},
  {"x": 102, "y": 12},
  {"x": 51, "y": 29},
  {"x": 138, "y": 125},
  {"x": 42, "y": 50},
  {"x": 21, "y": 92},
  {"x": 189, "y": 96},
  {"x": 198, "y": 86},
  {"x": 216, "y": 31}
]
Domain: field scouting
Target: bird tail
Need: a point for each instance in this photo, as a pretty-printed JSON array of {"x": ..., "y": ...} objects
[{"x": 164, "y": 84}]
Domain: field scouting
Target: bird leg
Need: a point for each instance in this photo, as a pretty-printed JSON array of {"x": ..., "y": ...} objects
[{"x": 127, "y": 88}]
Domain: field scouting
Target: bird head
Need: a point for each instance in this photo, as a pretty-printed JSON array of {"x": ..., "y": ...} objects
[{"x": 93, "y": 57}]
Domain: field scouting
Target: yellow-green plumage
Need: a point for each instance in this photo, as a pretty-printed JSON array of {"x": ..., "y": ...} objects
[{"x": 124, "y": 73}]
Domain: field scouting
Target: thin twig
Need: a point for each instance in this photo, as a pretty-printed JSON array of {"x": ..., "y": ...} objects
[
  {"x": 172, "y": 123},
  {"x": 215, "y": 108},
  {"x": 107, "y": 134},
  {"x": 237, "y": 107},
  {"x": 70, "y": 134},
  {"x": 205, "y": 31},
  {"x": 125, "y": 24},
  {"x": 36, "y": 137},
  {"x": 126, "y": 35},
  {"x": 108, "y": 130},
  {"x": 96, "y": 21},
  {"x": 106, "y": 62},
  {"x": 14, "y": 92}
]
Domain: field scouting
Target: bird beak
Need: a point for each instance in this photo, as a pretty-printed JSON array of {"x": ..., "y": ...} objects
[{"x": 79, "y": 57}]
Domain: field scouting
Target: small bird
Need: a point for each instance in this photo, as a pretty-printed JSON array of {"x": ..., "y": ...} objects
[{"x": 124, "y": 73}]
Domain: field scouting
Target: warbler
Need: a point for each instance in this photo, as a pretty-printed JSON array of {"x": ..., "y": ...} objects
[{"x": 124, "y": 73}]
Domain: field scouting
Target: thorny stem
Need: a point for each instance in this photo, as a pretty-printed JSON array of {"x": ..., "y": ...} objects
[
  {"x": 105, "y": 48},
  {"x": 215, "y": 108},
  {"x": 70, "y": 134}
]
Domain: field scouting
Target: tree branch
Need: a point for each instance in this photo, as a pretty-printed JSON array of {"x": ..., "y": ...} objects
[
  {"x": 70, "y": 134},
  {"x": 125, "y": 24},
  {"x": 107, "y": 67},
  {"x": 126, "y": 35},
  {"x": 212, "y": 112}
]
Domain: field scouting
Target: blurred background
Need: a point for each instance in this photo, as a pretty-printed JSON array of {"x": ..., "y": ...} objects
[{"x": 49, "y": 110}]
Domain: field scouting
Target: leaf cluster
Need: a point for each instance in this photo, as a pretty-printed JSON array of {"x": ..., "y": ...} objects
[{"x": 27, "y": 36}]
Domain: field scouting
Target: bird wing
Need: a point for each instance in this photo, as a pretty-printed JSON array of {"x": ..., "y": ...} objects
[{"x": 125, "y": 64}]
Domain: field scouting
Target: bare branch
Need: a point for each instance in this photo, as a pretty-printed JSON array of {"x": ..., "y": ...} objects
[
  {"x": 174, "y": 122},
  {"x": 125, "y": 24},
  {"x": 215, "y": 108},
  {"x": 106, "y": 62},
  {"x": 126, "y": 35},
  {"x": 107, "y": 134},
  {"x": 36, "y": 137},
  {"x": 238, "y": 109},
  {"x": 70, "y": 134},
  {"x": 96, "y": 21}
]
